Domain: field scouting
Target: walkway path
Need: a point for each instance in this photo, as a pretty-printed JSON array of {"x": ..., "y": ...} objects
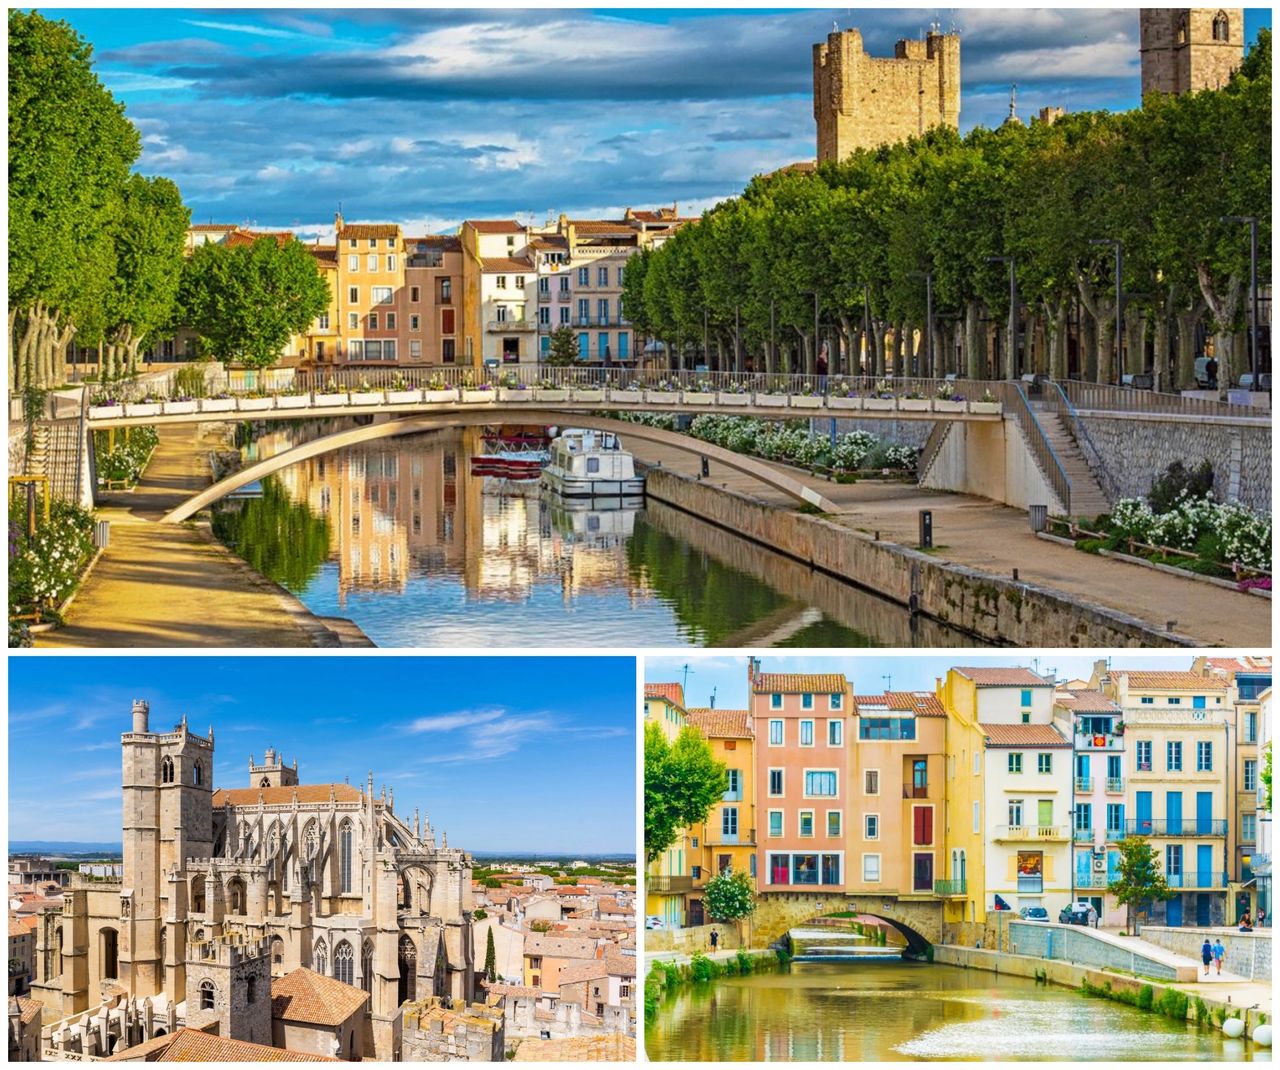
[
  {"x": 985, "y": 535},
  {"x": 163, "y": 585},
  {"x": 681, "y": 959}
]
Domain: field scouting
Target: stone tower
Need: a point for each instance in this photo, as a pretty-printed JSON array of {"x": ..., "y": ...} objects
[
  {"x": 229, "y": 981},
  {"x": 862, "y": 102},
  {"x": 272, "y": 773},
  {"x": 1188, "y": 49},
  {"x": 167, "y": 818}
]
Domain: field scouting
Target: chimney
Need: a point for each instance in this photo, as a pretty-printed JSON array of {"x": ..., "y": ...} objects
[
  {"x": 140, "y": 712},
  {"x": 337, "y": 224}
]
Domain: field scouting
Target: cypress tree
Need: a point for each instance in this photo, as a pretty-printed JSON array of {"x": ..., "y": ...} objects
[{"x": 490, "y": 959}]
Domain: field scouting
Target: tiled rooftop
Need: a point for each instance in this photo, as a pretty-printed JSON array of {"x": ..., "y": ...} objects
[
  {"x": 1169, "y": 681},
  {"x": 799, "y": 683},
  {"x": 307, "y": 793},
  {"x": 671, "y": 692},
  {"x": 303, "y": 995},
  {"x": 1013, "y": 676},
  {"x": 196, "y": 1046},
  {"x": 1023, "y": 735},
  {"x": 721, "y": 724}
]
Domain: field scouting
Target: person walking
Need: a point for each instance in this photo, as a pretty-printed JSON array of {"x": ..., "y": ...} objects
[
  {"x": 1206, "y": 955},
  {"x": 715, "y": 940},
  {"x": 1219, "y": 953}
]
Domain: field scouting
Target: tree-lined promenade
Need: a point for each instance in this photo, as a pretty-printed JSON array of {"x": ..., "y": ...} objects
[{"x": 867, "y": 251}]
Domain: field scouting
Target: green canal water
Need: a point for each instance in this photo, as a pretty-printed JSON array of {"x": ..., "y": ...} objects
[{"x": 908, "y": 1011}]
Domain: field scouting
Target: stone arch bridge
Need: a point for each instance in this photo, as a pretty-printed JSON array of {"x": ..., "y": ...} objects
[{"x": 777, "y": 913}]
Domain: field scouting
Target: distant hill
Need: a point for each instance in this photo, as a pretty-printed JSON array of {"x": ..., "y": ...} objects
[{"x": 65, "y": 847}]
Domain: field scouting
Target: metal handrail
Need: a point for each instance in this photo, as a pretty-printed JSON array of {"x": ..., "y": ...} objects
[
  {"x": 1105, "y": 397},
  {"x": 1056, "y": 398},
  {"x": 1039, "y": 443},
  {"x": 1187, "y": 826}
]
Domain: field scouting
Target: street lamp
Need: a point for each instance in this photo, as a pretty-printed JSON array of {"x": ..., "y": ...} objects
[
  {"x": 816, "y": 328},
  {"x": 706, "y": 352},
  {"x": 1012, "y": 362},
  {"x": 1119, "y": 250},
  {"x": 772, "y": 363},
  {"x": 928, "y": 316},
  {"x": 1252, "y": 220}
]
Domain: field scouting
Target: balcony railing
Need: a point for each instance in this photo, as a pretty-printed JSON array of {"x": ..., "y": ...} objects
[
  {"x": 511, "y": 325},
  {"x": 915, "y": 791},
  {"x": 1115, "y": 785},
  {"x": 1115, "y": 835},
  {"x": 1082, "y": 835},
  {"x": 741, "y": 838},
  {"x": 1084, "y": 784},
  {"x": 1031, "y": 832},
  {"x": 1030, "y": 885},
  {"x": 563, "y": 295},
  {"x": 1100, "y": 741},
  {"x": 1189, "y": 826},
  {"x": 1091, "y": 880},
  {"x": 544, "y": 296},
  {"x": 1196, "y": 879},
  {"x": 955, "y": 886},
  {"x": 668, "y": 885}
]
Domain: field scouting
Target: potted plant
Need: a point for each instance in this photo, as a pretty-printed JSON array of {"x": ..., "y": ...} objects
[
  {"x": 365, "y": 394},
  {"x": 179, "y": 405},
  {"x": 733, "y": 394},
  {"x": 220, "y": 402},
  {"x": 588, "y": 392},
  {"x": 806, "y": 396},
  {"x": 331, "y": 395},
  {"x": 102, "y": 406},
  {"x": 987, "y": 403},
  {"x": 292, "y": 397},
  {"x": 402, "y": 392},
  {"x": 913, "y": 401},
  {"x": 702, "y": 393},
  {"x": 774, "y": 395},
  {"x": 254, "y": 401},
  {"x": 881, "y": 398},
  {"x": 947, "y": 400},
  {"x": 663, "y": 392},
  {"x": 842, "y": 395},
  {"x": 631, "y": 394},
  {"x": 439, "y": 391},
  {"x": 474, "y": 393},
  {"x": 549, "y": 390},
  {"x": 148, "y": 405}
]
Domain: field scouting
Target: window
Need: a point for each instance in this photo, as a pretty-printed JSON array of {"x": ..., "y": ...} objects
[
  {"x": 353, "y": 262},
  {"x": 250, "y": 992},
  {"x": 415, "y": 348},
  {"x": 806, "y": 733},
  {"x": 977, "y": 817},
  {"x": 920, "y": 778},
  {"x": 1084, "y": 816},
  {"x": 1148, "y": 700},
  {"x": 446, "y": 289},
  {"x": 1015, "y": 812},
  {"x": 837, "y": 701},
  {"x": 806, "y": 701},
  {"x": 602, "y": 345},
  {"x": 353, "y": 295},
  {"x": 775, "y": 822},
  {"x": 448, "y": 350},
  {"x": 1249, "y": 828},
  {"x": 564, "y": 315},
  {"x": 1044, "y": 763},
  {"x": 886, "y": 728},
  {"x": 564, "y": 284},
  {"x": 391, "y": 321},
  {"x": 382, "y": 295},
  {"x": 1173, "y": 756},
  {"x": 322, "y": 321},
  {"x": 1115, "y": 817},
  {"x": 729, "y": 824},
  {"x": 870, "y": 826},
  {"x": 353, "y": 321},
  {"x": 871, "y": 782},
  {"x": 371, "y": 261},
  {"x": 584, "y": 311},
  {"x": 835, "y": 733},
  {"x": 922, "y": 825},
  {"x": 1221, "y": 27},
  {"x": 373, "y": 321},
  {"x": 806, "y": 822},
  {"x": 206, "y": 995},
  {"x": 775, "y": 782},
  {"x": 544, "y": 316},
  {"x": 871, "y": 868},
  {"x": 519, "y": 282},
  {"x": 602, "y": 310},
  {"x": 1026, "y": 716},
  {"x": 1251, "y": 774},
  {"x": 447, "y": 319},
  {"x": 584, "y": 276},
  {"x": 1142, "y": 754},
  {"x": 834, "y": 821},
  {"x": 391, "y": 261},
  {"x": 1251, "y": 727},
  {"x": 1175, "y": 702},
  {"x": 734, "y": 790},
  {"x": 775, "y": 701},
  {"x": 584, "y": 345},
  {"x": 544, "y": 285},
  {"x": 1015, "y": 761},
  {"x": 775, "y": 733},
  {"x": 821, "y": 782},
  {"x": 1204, "y": 756},
  {"x": 166, "y": 771},
  {"x": 602, "y": 276},
  {"x": 344, "y": 858},
  {"x": 1026, "y": 696},
  {"x": 415, "y": 294},
  {"x": 415, "y": 322}
]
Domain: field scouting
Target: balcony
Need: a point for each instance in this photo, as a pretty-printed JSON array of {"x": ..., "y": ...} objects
[
  {"x": 1082, "y": 835},
  {"x": 1196, "y": 879},
  {"x": 1029, "y": 885},
  {"x": 1035, "y": 833},
  {"x": 1189, "y": 826},
  {"x": 1115, "y": 835},
  {"x": 1115, "y": 785},
  {"x": 668, "y": 885},
  {"x": 741, "y": 838},
  {"x": 1092, "y": 880},
  {"x": 1084, "y": 785},
  {"x": 502, "y": 326},
  {"x": 1100, "y": 741},
  {"x": 544, "y": 296},
  {"x": 563, "y": 295},
  {"x": 956, "y": 886},
  {"x": 915, "y": 791}
]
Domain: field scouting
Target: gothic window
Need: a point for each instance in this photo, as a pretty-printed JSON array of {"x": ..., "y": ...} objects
[
  {"x": 197, "y": 894},
  {"x": 197, "y": 773},
  {"x": 164, "y": 941},
  {"x": 1221, "y": 27},
  {"x": 344, "y": 860},
  {"x": 277, "y": 951},
  {"x": 406, "y": 894},
  {"x": 408, "y": 963},
  {"x": 249, "y": 987},
  {"x": 366, "y": 966},
  {"x": 124, "y": 906},
  {"x": 1182, "y": 30},
  {"x": 320, "y": 959},
  {"x": 264, "y": 783},
  {"x": 166, "y": 771},
  {"x": 206, "y": 995},
  {"x": 344, "y": 963},
  {"x": 109, "y": 946},
  {"x": 311, "y": 840},
  {"x": 235, "y": 896}
]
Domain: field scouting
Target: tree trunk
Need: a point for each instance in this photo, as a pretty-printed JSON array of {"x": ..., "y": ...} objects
[
  {"x": 971, "y": 330},
  {"x": 1224, "y": 307},
  {"x": 1102, "y": 310},
  {"x": 1056, "y": 335},
  {"x": 1187, "y": 320},
  {"x": 1135, "y": 329}
]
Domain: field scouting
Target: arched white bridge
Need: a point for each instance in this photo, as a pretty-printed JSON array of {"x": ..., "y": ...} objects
[{"x": 476, "y": 416}]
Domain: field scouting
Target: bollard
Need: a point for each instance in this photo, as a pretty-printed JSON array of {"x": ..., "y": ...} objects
[
  {"x": 1039, "y": 517},
  {"x": 101, "y": 534},
  {"x": 706, "y": 468},
  {"x": 926, "y": 529}
]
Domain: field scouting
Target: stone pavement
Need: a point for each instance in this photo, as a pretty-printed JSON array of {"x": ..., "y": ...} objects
[
  {"x": 681, "y": 959},
  {"x": 985, "y": 535}
]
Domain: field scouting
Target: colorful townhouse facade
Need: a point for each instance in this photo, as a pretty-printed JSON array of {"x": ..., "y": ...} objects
[{"x": 669, "y": 877}]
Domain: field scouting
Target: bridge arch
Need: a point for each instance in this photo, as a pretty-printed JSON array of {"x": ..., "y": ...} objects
[
  {"x": 777, "y": 913},
  {"x": 760, "y": 470}
]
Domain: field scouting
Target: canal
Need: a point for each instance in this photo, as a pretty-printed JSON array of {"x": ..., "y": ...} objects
[
  {"x": 910, "y": 1011},
  {"x": 403, "y": 538}
]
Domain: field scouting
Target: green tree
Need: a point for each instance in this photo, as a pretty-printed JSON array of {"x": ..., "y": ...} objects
[
  {"x": 729, "y": 896},
  {"x": 564, "y": 347},
  {"x": 490, "y": 958},
  {"x": 282, "y": 539},
  {"x": 1266, "y": 778},
  {"x": 70, "y": 150},
  {"x": 1139, "y": 878},
  {"x": 247, "y": 301},
  {"x": 681, "y": 782}
]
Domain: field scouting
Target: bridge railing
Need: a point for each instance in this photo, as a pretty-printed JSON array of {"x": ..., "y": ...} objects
[
  {"x": 1017, "y": 405},
  {"x": 1105, "y": 397}
]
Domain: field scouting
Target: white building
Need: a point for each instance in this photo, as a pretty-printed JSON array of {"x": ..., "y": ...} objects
[{"x": 1262, "y": 858}]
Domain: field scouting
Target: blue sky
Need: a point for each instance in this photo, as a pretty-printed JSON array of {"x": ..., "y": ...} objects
[
  {"x": 430, "y": 116},
  {"x": 727, "y": 676},
  {"x": 505, "y": 754}
]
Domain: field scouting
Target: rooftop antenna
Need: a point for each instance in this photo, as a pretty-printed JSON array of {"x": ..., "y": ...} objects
[
  {"x": 713, "y": 698},
  {"x": 888, "y": 681},
  {"x": 687, "y": 671}
]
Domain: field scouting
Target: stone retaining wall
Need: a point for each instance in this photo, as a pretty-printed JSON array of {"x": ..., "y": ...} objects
[
  {"x": 1136, "y": 448},
  {"x": 694, "y": 938},
  {"x": 1248, "y": 954},
  {"x": 900, "y": 432},
  {"x": 1072, "y": 944},
  {"x": 991, "y": 608}
]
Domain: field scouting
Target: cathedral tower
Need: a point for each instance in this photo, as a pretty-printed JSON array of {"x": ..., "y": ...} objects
[
  {"x": 229, "y": 981},
  {"x": 1188, "y": 49},
  {"x": 272, "y": 773}
]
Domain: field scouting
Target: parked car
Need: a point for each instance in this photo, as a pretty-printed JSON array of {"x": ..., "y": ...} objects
[
  {"x": 1034, "y": 914},
  {"x": 654, "y": 921},
  {"x": 1079, "y": 913}
]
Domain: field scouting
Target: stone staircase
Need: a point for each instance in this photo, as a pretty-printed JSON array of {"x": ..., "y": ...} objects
[{"x": 1087, "y": 497}]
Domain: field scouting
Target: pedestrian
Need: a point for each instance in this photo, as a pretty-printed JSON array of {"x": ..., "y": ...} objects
[
  {"x": 1262, "y": 917},
  {"x": 1206, "y": 955},
  {"x": 1246, "y": 923},
  {"x": 1218, "y": 952},
  {"x": 715, "y": 940},
  {"x": 1211, "y": 373}
]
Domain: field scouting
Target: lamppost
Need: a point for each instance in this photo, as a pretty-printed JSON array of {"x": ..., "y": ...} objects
[
  {"x": 772, "y": 363},
  {"x": 1119, "y": 250},
  {"x": 1012, "y": 361},
  {"x": 706, "y": 351},
  {"x": 816, "y": 327},
  {"x": 928, "y": 317},
  {"x": 1252, "y": 220},
  {"x": 737, "y": 338}
]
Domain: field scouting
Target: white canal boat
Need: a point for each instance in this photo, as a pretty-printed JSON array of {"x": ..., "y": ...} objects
[{"x": 591, "y": 464}]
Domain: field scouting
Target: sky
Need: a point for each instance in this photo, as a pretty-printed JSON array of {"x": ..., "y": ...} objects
[
  {"x": 873, "y": 674},
  {"x": 275, "y": 118},
  {"x": 504, "y": 754}
]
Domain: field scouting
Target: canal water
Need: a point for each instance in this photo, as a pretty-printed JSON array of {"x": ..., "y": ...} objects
[
  {"x": 911, "y": 1011},
  {"x": 400, "y": 536}
]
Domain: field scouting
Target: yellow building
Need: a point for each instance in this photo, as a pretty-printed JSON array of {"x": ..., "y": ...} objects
[
  {"x": 727, "y": 839},
  {"x": 1178, "y": 729},
  {"x": 668, "y": 878}
]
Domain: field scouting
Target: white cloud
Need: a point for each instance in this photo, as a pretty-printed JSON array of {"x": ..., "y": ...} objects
[
  {"x": 449, "y": 722},
  {"x": 240, "y": 27}
]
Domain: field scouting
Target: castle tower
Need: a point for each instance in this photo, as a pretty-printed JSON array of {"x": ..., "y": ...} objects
[
  {"x": 229, "y": 981},
  {"x": 1188, "y": 49},
  {"x": 167, "y": 819},
  {"x": 272, "y": 773},
  {"x": 862, "y": 102}
]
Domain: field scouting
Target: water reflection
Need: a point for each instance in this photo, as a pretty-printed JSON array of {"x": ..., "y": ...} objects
[
  {"x": 892, "y": 1011},
  {"x": 422, "y": 552}
]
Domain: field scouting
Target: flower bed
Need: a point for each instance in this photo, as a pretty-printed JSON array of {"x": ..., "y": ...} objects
[
  {"x": 45, "y": 567},
  {"x": 122, "y": 465},
  {"x": 792, "y": 443}
]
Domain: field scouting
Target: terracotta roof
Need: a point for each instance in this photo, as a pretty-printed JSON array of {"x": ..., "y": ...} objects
[
  {"x": 619, "y": 964},
  {"x": 369, "y": 230},
  {"x": 18, "y": 927},
  {"x": 671, "y": 692},
  {"x": 1085, "y": 702},
  {"x": 553, "y": 241},
  {"x": 303, "y": 995},
  {"x": 569, "y": 889},
  {"x": 214, "y": 226},
  {"x": 660, "y": 215},
  {"x": 1169, "y": 681},
  {"x": 721, "y": 724},
  {"x": 1023, "y": 735},
  {"x": 519, "y": 991},
  {"x": 307, "y": 793},
  {"x": 494, "y": 226},
  {"x": 506, "y": 263},
  {"x": 588, "y": 971},
  {"x": 921, "y": 703},
  {"x": 609, "y": 1048},
  {"x": 448, "y": 243},
  {"x": 248, "y": 237},
  {"x": 196, "y": 1046},
  {"x": 561, "y": 947},
  {"x": 800, "y": 682},
  {"x": 1243, "y": 663},
  {"x": 1014, "y": 676}
]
